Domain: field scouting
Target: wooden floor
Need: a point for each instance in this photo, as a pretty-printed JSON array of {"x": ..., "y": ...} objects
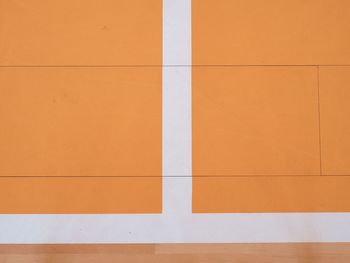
[{"x": 286, "y": 253}]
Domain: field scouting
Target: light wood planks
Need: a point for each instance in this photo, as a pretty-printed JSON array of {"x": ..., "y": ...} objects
[{"x": 184, "y": 253}]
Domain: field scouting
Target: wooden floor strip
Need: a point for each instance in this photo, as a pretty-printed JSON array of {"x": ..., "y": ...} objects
[{"x": 324, "y": 253}]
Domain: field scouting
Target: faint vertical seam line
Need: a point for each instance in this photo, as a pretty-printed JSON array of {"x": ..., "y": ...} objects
[{"x": 319, "y": 116}]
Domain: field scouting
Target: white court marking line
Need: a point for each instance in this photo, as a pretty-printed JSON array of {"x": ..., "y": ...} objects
[
  {"x": 176, "y": 224},
  {"x": 177, "y": 107}
]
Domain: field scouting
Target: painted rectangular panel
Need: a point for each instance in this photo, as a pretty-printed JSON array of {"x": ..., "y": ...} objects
[
  {"x": 81, "y": 121},
  {"x": 77, "y": 195},
  {"x": 335, "y": 119},
  {"x": 271, "y": 194},
  {"x": 270, "y": 32},
  {"x": 250, "y": 121},
  {"x": 81, "y": 32}
]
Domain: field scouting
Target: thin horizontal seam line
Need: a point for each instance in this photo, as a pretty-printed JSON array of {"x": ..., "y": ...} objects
[
  {"x": 170, "y": 66},
  {"x": 80, "y": 66},
  {"x": 159, "y": 176},
  {"x": 272, "y": 175},
  {"x": 273, "y": 65}
]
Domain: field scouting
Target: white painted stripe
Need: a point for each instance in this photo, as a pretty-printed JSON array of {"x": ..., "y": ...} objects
[
  {"x": 177, "y": 109},
  {"x": 177, "y": 122},
  {"x": 177, "y": 32},
  {"x": 196, "y": 228},
  {"x": 177, "y": 143},
  {"x": 176, "y": 224}
]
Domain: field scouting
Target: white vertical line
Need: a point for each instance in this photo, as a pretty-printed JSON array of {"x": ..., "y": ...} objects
[
  {"x": 177, "y": 32},
  {"x": 177, "y": 121}
]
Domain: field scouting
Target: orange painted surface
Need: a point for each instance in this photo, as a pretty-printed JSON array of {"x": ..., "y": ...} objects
[
  {"x": 81, "y": 32},
  {"x": 264, "y": 132},
  {"x": 76, "y": 195},
  {"x": 271, "y": 194},
  {"x": 335, "y": 120},
  {"x": 81, "y": 122},
  {"x": 255, "y": 121},
  {"x": 234, "y": 32},
  {"x": 89, "y": 139}
]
